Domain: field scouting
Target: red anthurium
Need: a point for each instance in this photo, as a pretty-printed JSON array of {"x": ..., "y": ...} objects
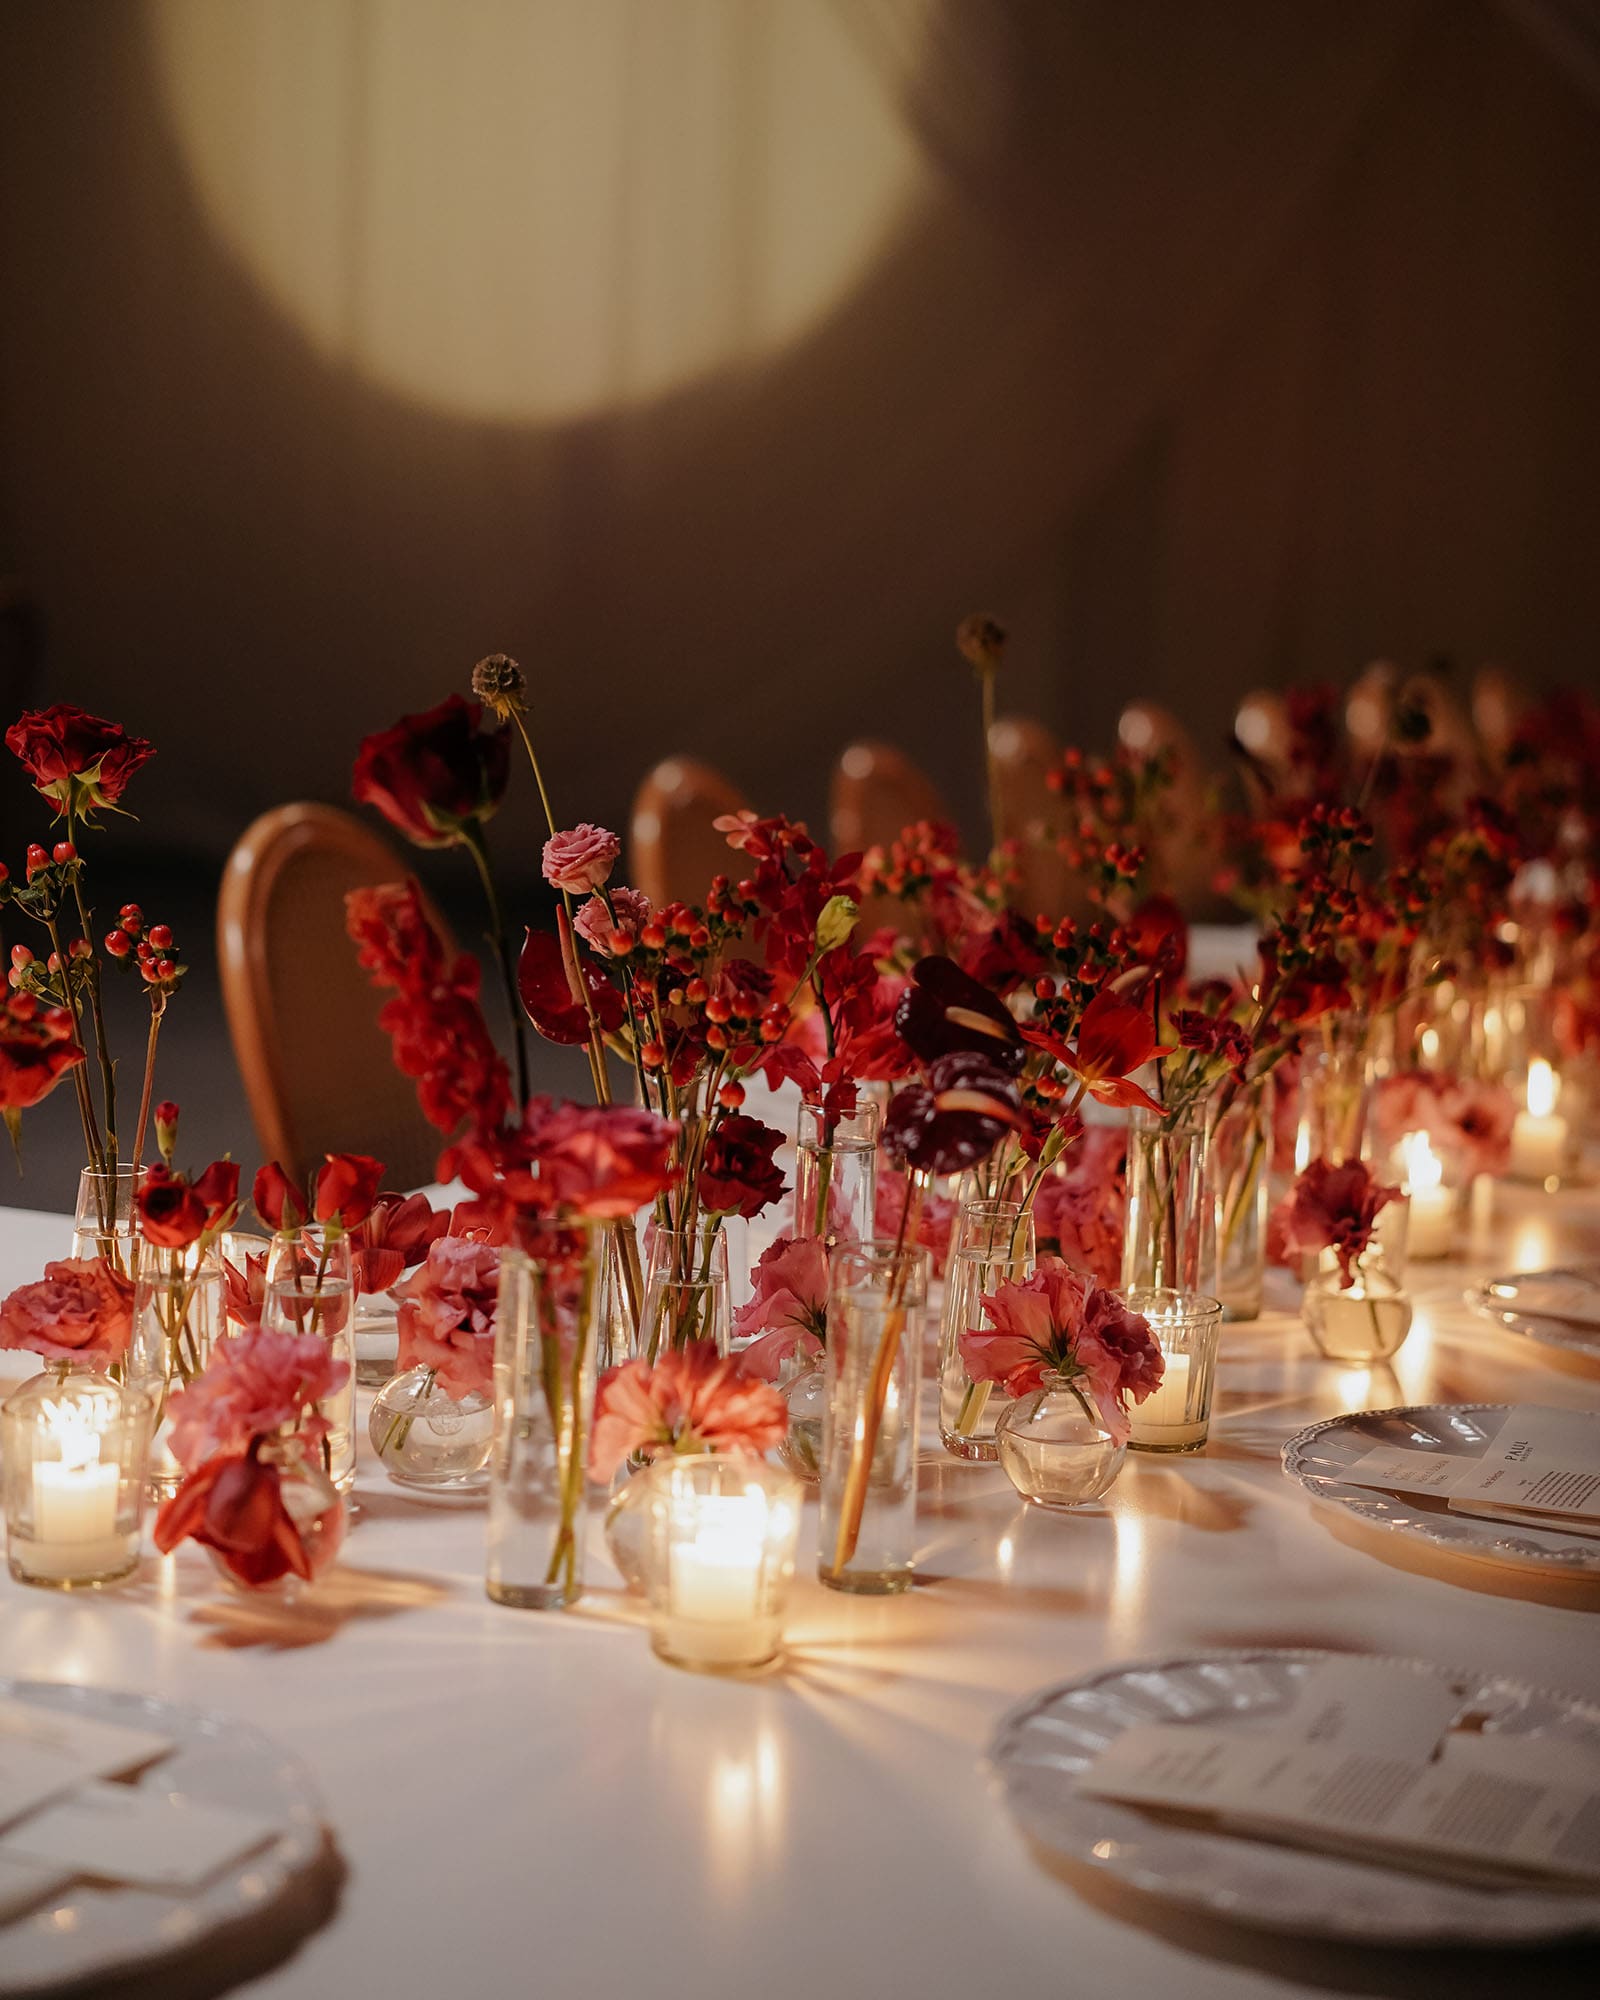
[
  {"x": 944, "y": 1012},
  {"x": 954, "y": 1119},
  {"x": 547, "y": 993},
  {"x": 1114, "y": 1038}
]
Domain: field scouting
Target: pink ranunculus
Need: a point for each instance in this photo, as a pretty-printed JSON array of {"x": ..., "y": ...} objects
[
  {"x": 789, "y": 1310},
  {"x": 629, "y": 913},
  {"x": 80, "y": 1310},
  {"x": 447, "y": 1312},
  {"x": 1334, "y": 1208},
  {"x": 692, "y": 1400},
  {"x": 580, "y": 859},
  {"x": 1062, "y": 1322},
  {"x": 256, "y": 1383}
]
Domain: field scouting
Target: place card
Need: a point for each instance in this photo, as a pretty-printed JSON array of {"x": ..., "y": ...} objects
[
  {"x": 1375, "y": 1704},
  {"x": 1449, "y": 1813},
  {"x": 151, "y": 1838},
  {"x": 1544, "y": 1461},
  {"x": 45, "y": 1751},
  {"x": 24, "y": 1884}
]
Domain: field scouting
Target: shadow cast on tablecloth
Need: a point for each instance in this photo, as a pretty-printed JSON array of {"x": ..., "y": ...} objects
[
  {"x": 242, "y": 1619},
  {"x": 1563, "y": 1972},
  {"x": 243, "y": 1951}
]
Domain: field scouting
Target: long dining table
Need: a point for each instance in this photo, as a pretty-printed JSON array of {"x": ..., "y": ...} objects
[{"x": 522, "y": 1802}]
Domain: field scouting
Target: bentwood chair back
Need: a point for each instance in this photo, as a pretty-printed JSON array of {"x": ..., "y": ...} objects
[
  {"x": 674, "y": 849},
  {"x": 1499, "y": 702},
  {"x": 302, "y": 1013},
  {"x": 1186, "y": 853},
  {"x": 1024, "y": 753},
  {"x": 876, "y": 793}
]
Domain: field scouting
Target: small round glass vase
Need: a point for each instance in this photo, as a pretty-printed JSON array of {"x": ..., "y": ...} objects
[
  {"x": 1360, "y": 1323},
  {"x": 627, "y": 1525},
  {"x": 427, "y": 1438},
  {"x": 317, "y": 1508},
  {"x": 1053, "y": 1452},
  {"x": 805, "y": 1390}
]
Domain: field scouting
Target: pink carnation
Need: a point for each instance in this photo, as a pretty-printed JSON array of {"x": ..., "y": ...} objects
[
  {"x": 1333, "y": 1208},
  {"x": 789, "y": 1311},
  {"x": 447, "y": 1312},
  {"x": 80, "y": 1310},
  {"x": 1081, "y": 1206},
  {"x": 580, "y": 859},
  {"x": 256, "y": 1383},
  {"x": 692, "y": 1400},
  {"x": 1059, "y": 1321},
  {"x": 629, "y": 913}
]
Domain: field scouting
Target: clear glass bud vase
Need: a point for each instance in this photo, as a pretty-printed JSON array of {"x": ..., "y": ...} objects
[
  {"x": 177, "y": 1316},
  {"x": 546, "y": 1336},
  {"x": 873, "y": 1371},
  {"x": 1054, "y": 1450},
  {"x": 1238, "y": 1157},
  {"x": 836, "y": 1175},
  {"x": 102, "y": 1224},
  {"x": 993, "y": 1246},
  {"x": 1164, "y": 1242},
  {"x": 1363, "y": 1322}
]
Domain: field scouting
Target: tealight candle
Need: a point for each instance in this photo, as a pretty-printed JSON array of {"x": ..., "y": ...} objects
[
  {"x": 75, "y": 1448},
  {"x": 721, "y": 1557},
  {"x": 1539, "y": 1136},
  {"x": 1176, "y": 1416},
  {"x": 1431, "y": 1229}
]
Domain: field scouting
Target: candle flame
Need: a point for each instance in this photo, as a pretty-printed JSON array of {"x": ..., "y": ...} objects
[
  {"x": 1423, "y": 1167},
  {"x": 1542, "y": 1088},
  {"x": 77, "y": 1442}
]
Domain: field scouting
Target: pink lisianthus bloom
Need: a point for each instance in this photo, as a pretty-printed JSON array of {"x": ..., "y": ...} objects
[
  {"x": 1059, "y": 1321},
  {"x": 447, "y": 1312},
  {"x": 597, "y": 925},
  {"x": 80, "y": 1310},
  {"x": 789, "y": 1311},
  {"x": 1334, "y": 1208},
  {"x": 581, "y": 859},
  {"x": 691, "y": 1400},
  {"x": 1081, "y": 1206},
  {"x": 934, "y": 1227},
  {"x": 256, "y": 1383}
]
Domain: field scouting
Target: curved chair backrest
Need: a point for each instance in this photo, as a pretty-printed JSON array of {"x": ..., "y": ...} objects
[
  {"x": 1187, "y": 852},
  {"x": 1499, "y": 702},
  {"x": 876, "y": 792},
  {"x": 673, "y": 848},
  {"x": 1024, "y": 753},
  {"x": 302, "y": 1013}
]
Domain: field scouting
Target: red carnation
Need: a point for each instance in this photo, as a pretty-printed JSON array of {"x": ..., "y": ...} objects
[
  {"x": 738, "y": 1175},
  {"x": 433, "y": 775},
  {"x": 1334, "y": 1208},
  {"x": 75, "y": 760}
]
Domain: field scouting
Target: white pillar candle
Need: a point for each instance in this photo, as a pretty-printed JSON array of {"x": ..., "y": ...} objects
[
  {"x": 1431, "y": 1230},
  {"x": 1539, "y": 1136},
  {"x": 1163, "y": 1418},
  {"x": 718, "y": 1548},
  {"x": 74, "y": 1504}
]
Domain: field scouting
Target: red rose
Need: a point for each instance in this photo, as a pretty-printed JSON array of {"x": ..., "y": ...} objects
[
  {"x": 432, "y": 775},
  {"x": 276, "y": 1199},
  {"x": 36, "y": 1051},
  {"x": 602, "y": 1161},
  {"x": 81, "y": 1309},
  {"x": 75, "y": 760},
  {"x": 345, "y": 1189},
  {"x": 738, "y": 1175},
  {"x": 174, "y": 1212}
]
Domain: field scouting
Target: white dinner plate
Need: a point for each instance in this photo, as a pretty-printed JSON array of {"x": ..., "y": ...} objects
[
  {"x": 1316, "y": 1457},
  {"x": 1048, "y": 1739},
  {"x": 92, "y": 1929},
  {"x": 1556, "y": 1308}
]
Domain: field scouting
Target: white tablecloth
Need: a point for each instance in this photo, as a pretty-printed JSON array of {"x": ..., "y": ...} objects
[{"x": 533, "y": 1803}]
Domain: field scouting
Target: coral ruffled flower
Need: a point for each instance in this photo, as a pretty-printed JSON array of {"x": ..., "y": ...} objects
[
  {"x": 935, "y": 1224},
  {"x": 788, "y": 1313},
  {"x": 1465, "y": 1119},
  {"x": 256, "y": 1383},
  {"x": 1059, "y": 1321},
  {"x": 581, "y": 859},
  {"x": 447, "y": 1314},
  {"x": 1081, "y": 1205},
  {"x": 738, "y": 1174},
  {"x": 80, "y": 1310},
  {"x": 36, "y": 1051},
  {"x": 692, "y": 1400},
  {"x": 601, "y": 1161},
  {"x": 433, "y": 775},
  {"x": 75, "y": 760},
  {"x": 1332, "y": 1208}
]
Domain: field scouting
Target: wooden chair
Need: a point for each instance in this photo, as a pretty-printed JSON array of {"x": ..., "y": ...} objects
[
  {"x": 1499, "y": 702},
  {"x": 876, "y": 793},
  {"x": 302, "y": 1013},
  {"x": 1024, "y": 753},
  {"x": 673, "y": 848},
  {"x": 1185, "y": 853}
]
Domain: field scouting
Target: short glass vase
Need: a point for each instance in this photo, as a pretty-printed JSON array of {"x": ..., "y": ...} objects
[
  {"x": 992, "y": 1246},
  {"x": 1053, "y": 1451},
  {"x": 318, "y": 1510},
  {"x": 73, "y": 1445},
  {"x": 429, "y": 1438},
  {"x": 1359, "y": 1323}
]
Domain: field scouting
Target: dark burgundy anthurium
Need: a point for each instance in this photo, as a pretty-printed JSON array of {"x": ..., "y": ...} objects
[
  {"x": 945, "y": 1012},
  {"x": 547, "y": 993},
  {"x": 955, "y": 1118}
]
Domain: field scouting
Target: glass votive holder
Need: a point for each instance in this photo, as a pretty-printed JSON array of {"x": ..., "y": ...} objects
[
  {"x": 74, "y": 1446},
  {"x": 719, "y": 1561},
  {"x": 1185, "y": 1325}
]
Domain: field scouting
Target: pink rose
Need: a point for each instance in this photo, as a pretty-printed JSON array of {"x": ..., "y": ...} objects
[
  {"x": 447, "y": 1313},
  {"x": 628, "y": 915},
  {"x": 580, "y": 859},
  {"x": 80, "y": 1310}
]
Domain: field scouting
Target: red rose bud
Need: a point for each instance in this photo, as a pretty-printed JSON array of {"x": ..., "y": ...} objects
[
  {"x": 118, "y": 944},
  {"x": 63, "y": 851},
  {"x": 167, "y": 1129},
  {"x": 346, "y": 1188}
]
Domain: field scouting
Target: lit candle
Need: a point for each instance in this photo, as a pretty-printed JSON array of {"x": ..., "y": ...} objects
[
  {"x": 1539, "y": 1137},
  {"x": 1432, "y": 1227},
  {"x": 74, "y": 1502},
  {"x": 718, "y": 1545},
  {"x": 1163, "y": 1417}
]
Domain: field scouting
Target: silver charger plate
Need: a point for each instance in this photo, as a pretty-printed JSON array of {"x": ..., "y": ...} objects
[
  {"x": 92, "y": 1929},
  {"x": 1315, "y": 1458},
  {"x": 1044, "y": 1742},
  {"x": 1559, "y": 1308}
]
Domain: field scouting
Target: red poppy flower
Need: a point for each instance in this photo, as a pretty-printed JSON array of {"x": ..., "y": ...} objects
[
  {"x": 36, "y": 1051},
  {"x": 738, "y": 1175},
  {"x": 432, "y": 775},
  {"x": 1114, "y": 1037},
  {"x": 75, "y": 760},
  {"x": 547, "y": 993},
  {"x": 945, "y": 1012}
]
